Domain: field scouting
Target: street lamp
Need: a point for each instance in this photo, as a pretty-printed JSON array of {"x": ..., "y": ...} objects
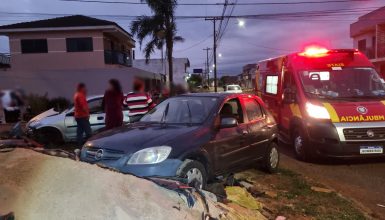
[
  {"x": 220, "y": 55},
  {"x": 241, "y": 23}
]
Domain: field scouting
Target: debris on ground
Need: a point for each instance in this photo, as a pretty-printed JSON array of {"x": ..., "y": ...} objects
[
  {"x": 380, "y": 205},
  {"x": 288, "y": 195},
  {"x": 240, "y": 196},
  {"x": 321, "y": 189},
  {"x": 63, "y": 189}
]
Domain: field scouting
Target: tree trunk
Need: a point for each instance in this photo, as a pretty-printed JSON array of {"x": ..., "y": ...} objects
[{"x": 169, "y": 45}]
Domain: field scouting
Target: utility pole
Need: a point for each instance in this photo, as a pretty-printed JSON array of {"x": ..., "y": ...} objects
[
  {"x": 214, "y": 19},
  {"x": 207, "y": 65}
]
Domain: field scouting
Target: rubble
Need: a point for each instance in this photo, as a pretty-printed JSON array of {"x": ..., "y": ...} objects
[
  {"x": 38, "y": 186},
  {"x": 243, "y": 198},
  {"x": 320, "y": 189}
]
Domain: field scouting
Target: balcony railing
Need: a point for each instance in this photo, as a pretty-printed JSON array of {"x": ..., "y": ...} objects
[
  {"x": 117, "y": 57},
  {"x": 5, "y": 59}
]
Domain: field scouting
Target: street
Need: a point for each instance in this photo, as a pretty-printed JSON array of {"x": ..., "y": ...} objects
[{"x": 361, "y": 181}]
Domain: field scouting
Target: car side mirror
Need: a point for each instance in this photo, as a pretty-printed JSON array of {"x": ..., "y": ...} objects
[
  {"x": 289, "y": 96},
  {"x": 229, "y": 122}
]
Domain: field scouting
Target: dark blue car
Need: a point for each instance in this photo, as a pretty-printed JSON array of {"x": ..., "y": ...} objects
[{"x": 194, "y": 136}]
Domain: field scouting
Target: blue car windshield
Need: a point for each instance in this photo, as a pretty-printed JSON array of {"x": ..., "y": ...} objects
[{"x": 181, "y": 110}]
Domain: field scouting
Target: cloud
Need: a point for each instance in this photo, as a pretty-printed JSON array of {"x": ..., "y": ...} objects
[{"x": 259, "y": 39}]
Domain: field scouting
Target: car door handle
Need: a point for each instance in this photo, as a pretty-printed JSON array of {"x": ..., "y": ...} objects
[
  {"x": 244, "y": 132},
  {"x": 100, "y": 118}
]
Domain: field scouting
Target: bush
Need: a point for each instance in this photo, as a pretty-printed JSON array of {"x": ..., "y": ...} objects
[
  {"x": 59, "y": 104},
  {"x": 37, "y": 104},
  {"x": 40, "y": 103}
]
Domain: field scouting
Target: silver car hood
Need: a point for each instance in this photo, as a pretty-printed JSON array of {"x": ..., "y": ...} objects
[{"x": 43, "y": 115}]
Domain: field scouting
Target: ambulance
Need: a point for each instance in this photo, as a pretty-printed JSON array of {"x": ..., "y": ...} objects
[{"x": 328, "y": 103}]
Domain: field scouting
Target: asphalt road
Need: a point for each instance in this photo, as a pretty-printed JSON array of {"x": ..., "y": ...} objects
[{"x": 362, "y": 181}]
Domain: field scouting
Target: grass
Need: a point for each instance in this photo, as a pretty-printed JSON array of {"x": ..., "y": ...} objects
[{"x": 301, "y": 199}]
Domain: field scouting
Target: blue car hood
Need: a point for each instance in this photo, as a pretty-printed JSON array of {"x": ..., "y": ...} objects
[{"x": 137, "y": 136}]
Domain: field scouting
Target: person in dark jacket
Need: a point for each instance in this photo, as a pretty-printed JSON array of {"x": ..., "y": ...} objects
[{"x": 113, "y": 105}]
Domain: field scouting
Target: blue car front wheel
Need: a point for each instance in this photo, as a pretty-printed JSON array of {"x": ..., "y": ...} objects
[{"x": 194, "y": 172}]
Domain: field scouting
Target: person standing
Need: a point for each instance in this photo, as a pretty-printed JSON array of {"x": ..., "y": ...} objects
[
  {"x": 2, "y": 114},
  {"x": 82, "y": 113},
  {"x": 113, "y": 104},
  {"x": 138, "y": 102}
]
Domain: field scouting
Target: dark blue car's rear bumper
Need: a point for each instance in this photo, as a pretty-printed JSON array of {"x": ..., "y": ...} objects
[{"x": 167, "y": 168}]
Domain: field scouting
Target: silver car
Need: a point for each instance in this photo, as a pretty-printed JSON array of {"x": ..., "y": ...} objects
[{"x": 58, "y": 127}]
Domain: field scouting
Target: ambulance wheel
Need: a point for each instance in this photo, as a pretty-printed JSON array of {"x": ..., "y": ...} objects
[{"x": 301, "y": 145}]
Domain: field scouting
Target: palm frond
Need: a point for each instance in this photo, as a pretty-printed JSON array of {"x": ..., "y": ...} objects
[{"x": 178, "y": 39}]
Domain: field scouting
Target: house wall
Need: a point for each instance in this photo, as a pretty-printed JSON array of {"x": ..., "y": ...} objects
[
  {"x": 57, "y": 56},
  {"x": 180, "y": 66}
]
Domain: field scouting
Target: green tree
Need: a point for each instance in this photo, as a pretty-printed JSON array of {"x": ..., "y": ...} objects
[
  {"x": 160, "y": 28},
  {"x": 195, "y": 80}
]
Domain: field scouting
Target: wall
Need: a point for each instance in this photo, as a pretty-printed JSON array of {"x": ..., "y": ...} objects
[
  {"x": 62, "y": 83},
  {"x": 367, "y": 36},
  {"x": 57, "y": 56},
  {"x": 155, "y": 65}
]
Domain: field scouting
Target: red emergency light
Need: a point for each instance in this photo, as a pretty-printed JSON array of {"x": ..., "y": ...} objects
[{"x": 314, "y": 51}]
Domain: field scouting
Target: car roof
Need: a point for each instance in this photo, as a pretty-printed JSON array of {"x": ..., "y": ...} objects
[
  {"x": 94, "y": 97},
  {"x": 217, "y": 94},
  {"x": 98, "y": 96}
]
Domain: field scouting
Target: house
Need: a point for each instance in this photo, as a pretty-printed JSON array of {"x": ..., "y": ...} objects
[
  {"x": 47, "y": 54},
  {"x": 180, "y": 66},
  {"x": 368, "y": 35},
  {"x": 247, "y": 77}
]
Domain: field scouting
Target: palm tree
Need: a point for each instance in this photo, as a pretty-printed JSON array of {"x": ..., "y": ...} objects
[{"x": 160, "y": 28}]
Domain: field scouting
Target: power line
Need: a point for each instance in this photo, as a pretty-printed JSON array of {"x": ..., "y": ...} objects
[
  {"x": 194, "y": 45},
  {"x": 220, "y": 4},
  {"x": 299, "y": 14}
]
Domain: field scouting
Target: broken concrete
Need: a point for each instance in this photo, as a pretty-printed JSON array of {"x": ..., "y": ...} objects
[{"x": 37, "y": 186}]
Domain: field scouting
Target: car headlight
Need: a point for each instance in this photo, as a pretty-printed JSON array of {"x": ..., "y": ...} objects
[
  {"x": 150, "y": 155},
  {"x": 316, "y": 111},
  {"x": 34, "y": 124}
]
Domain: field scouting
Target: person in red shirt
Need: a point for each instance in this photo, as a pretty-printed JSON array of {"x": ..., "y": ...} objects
[
  {"x": 113, "y": 104},
  {"x": 82, "y": 114}
]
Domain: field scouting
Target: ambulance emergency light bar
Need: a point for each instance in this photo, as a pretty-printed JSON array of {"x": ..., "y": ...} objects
[{"x": 317, "y": 51}]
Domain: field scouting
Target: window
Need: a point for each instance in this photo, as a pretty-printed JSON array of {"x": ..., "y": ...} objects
[
  {"x": 181, "y": 110},
  {"x": 34, "y": 46},
  {"x": 253, "y": 109},
  {"x": 272, "y": 84},
  {"x": 232, "y": 108},
  {"x": 79, "y": 44},
  {"x": 96, "y": 106},
  {"x": 362, "y": 45}
]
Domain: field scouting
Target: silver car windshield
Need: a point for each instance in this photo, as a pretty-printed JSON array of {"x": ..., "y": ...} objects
[
  {"x": 343, "y": 83},
  {"x": 233, "y": 88},
  {"x": 181, "y": 110}
]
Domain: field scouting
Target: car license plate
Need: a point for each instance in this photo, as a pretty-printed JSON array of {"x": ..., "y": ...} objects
[{"x": 371, "y": 150}]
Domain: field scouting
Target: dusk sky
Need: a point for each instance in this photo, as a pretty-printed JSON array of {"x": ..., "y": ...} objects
[{"x": 258, "y": 39}]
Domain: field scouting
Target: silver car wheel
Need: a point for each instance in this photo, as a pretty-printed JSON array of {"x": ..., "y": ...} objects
[
  {"x": 298, "y": 145},
  {"x": 274, "y": 157},
  {"x": 195, "y": 176}
]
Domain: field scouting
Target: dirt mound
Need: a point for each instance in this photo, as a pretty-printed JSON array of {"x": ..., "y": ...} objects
[{"x": 37, "y": 186}]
